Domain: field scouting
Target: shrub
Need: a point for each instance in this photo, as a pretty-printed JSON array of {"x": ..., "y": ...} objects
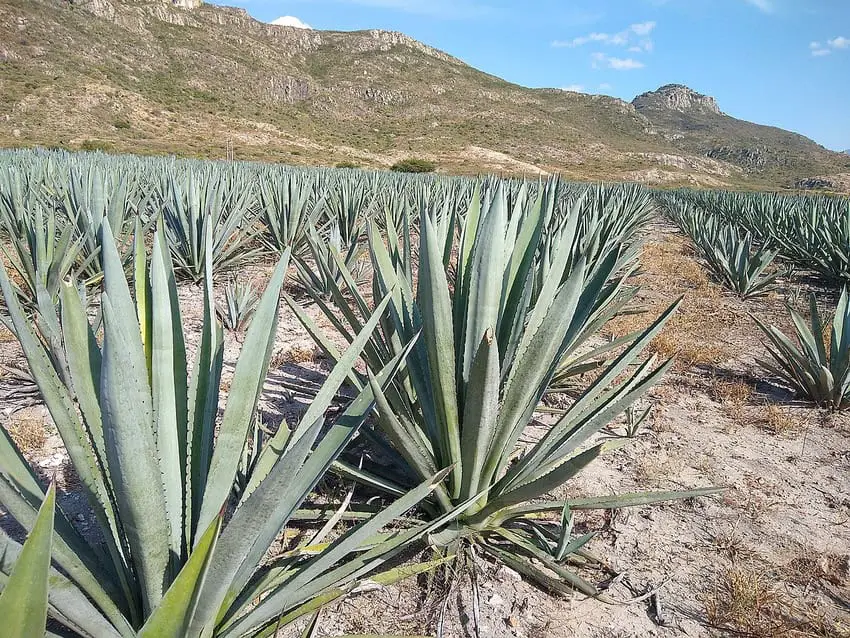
[
  {"x": 414, "y": 165},
  {"x": 95, "y": 145}
]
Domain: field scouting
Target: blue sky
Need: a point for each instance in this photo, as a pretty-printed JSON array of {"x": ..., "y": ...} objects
[{"x": 779, "y": 62}]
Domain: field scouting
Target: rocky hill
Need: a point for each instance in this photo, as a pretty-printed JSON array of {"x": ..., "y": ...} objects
[{"x": 179, "y": 76}]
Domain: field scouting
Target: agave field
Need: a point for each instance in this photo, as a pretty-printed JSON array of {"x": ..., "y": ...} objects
[{"x": 476, "y": 351}]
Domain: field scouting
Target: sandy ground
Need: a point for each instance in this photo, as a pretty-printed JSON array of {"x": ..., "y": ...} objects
[{"x": 769, "y": 557}]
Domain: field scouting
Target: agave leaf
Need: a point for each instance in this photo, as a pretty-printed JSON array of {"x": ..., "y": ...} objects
[
  {"x": 248, "y": 379},
  {"x": 171, "y": 618},
  {"x": 23, "y": 601}
]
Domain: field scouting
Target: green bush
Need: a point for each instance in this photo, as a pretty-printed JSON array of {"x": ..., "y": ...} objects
[
  {"x": 95, "y": 145},
  {"x": 347, "y": 165},
  {"x": 414, "y": 165}
]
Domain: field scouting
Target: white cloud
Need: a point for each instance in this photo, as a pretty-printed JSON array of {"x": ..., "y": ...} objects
[
  {"x": 584, "y": 39},
  {"x": 765, "y": 6},
  {"x": 819, "y": 50},
  {"x": 290, "y": 21},
  {"x": 605, "y": 87},
  {"x": 626, "y": 37},
  {"x": 624, "y": 64},
  {"x": 643, "y": 28},
  {"x": 575, "y": 88},
  {"x": 600, "y": 60}
]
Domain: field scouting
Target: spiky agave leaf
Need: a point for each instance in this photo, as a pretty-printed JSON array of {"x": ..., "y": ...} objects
[
  {"x": 812, "y": 369},
  {"x": 491, "y": 342},
  {"x": 159, "y": 476}
]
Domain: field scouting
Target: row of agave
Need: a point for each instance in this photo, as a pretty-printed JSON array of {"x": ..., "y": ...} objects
[
  {"x": 725, "y": 228},
  {"x": 728, "y": 251},
  {"x": 810, "y": 232},
  {"x": 485, "y": 296}
]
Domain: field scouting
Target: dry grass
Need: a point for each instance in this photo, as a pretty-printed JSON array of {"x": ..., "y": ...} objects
[
  {"x": 735, "y": 392},
  {"x": 695, "y": 335},
  {"x": 673, "y": 260},
  {"x": 657, "y": 466},
  {"x": 778, "y": 420},
  {"x": 29, "y": 434},
  {"x": 729, "y": 542},
  {"x": 752, "y": 602},
  {"x": 733, "y": 395},
  {"x": 811, "y": 565},
  {"x": 299, "y": 354}
]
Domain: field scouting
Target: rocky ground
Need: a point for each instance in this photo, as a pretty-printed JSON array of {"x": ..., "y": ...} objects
[{"x": 768, "y": 557}]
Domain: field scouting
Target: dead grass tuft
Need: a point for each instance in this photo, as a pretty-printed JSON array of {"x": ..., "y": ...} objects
[
  {"x": 812, "y": 565},
  {"x": 728, "y": 541},
  {"x": 730, "y": 392},
  {"x": 29, "y": 434},
  {"x": 744, "y": 600},
  {"x": 295, "y": 354},
  {"x": 657, "y": 466},
  {"x": 301, "y": 354},
  {"x": 750, "y": 602},
  {"x": 689, "y": 351},
  {"x": 778, "y": 420}
]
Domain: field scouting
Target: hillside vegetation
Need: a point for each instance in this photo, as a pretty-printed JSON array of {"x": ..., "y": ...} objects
[{"x": 210, "y": 81}]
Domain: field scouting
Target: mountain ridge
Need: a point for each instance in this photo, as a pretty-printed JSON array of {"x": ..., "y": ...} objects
[{"x": 154, "y": 77}]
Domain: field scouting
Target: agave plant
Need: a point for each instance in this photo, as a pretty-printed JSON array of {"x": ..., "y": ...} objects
[
  {"x": 208, "y": 202},
  {"x": 240, "y": 302},
  {"x": 140, "y": 432},
  {"x": 814, "y": 367},
  {"x": 319, "y": 271},
  {"x": 92, "y": 195},
  {"x": 729, "y": 254},
  {"x": 289, "y": 206},
  {"x": 812, "y": 232},
  {"x": 40, "y": 249},
  {"x": 490, "y": 344}
]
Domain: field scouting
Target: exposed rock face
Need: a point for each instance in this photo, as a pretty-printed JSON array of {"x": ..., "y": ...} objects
[
  {"x": 288, "y": 89},
  {"x": 837, "y": 183},
  {"x": 101, "y": 8},
  {"x": 676, "y": 97},
  {"x": 186, "y": 4}
]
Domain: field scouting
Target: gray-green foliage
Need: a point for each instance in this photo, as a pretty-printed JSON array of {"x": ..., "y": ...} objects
[
  {"x": 320, "y": 266},
  {"x": 219, "y": 202},
  {"x": 815, "y": 368},
  {"x": 729, "y": 252},
  {"x": 158, "y": 467},
  {"x": 25, "y": 575},
  {"x": 41, "y": 248},
  {"x": 810, "y": 232},
  {"x": 504, "y": 293},
  {"x": 289, "y": 205},
  {"x": 240, "y": 302}
]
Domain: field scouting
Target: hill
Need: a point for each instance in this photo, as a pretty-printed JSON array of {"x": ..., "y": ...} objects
[{"x": 177, "y": 76}]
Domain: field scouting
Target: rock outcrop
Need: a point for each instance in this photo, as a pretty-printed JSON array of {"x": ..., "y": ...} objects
[{"x": 676, "y": 97}]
